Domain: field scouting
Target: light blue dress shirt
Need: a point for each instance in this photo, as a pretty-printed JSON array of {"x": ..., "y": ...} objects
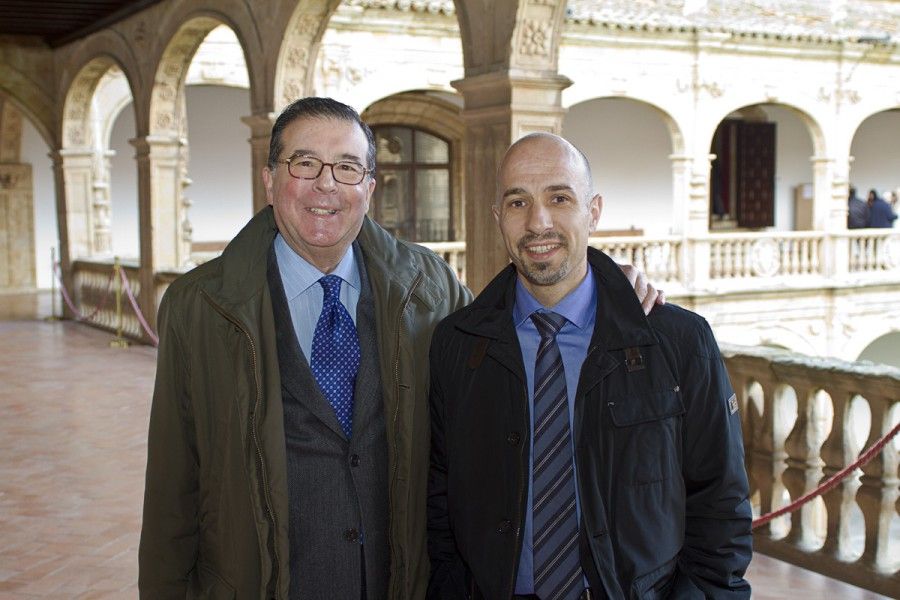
[
  {"x": 304, "y": 294},
  {"x": 579, "y": 308}
]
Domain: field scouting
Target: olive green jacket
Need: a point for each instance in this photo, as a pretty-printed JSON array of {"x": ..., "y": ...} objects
[{"x": 216, "y": 501}]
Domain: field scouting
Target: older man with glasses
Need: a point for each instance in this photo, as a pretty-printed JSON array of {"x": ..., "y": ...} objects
[{"x": 288, "y": 445}]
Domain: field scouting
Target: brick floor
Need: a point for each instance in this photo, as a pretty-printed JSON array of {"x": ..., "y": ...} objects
[{"x": 73, "y": 422}]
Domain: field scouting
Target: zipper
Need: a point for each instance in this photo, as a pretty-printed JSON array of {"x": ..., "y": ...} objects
[
  {"x": 396, "y": 416},
  {"x": 254, "y": 425}
]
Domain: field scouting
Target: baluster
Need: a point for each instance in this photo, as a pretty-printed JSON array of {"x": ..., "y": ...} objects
[
  {"x": 839, "y": 500},
  {"x": 804, "y": 467},
  {"x": 878, "y": 492},
  {"x": 814, "y": 256},
  {"x": 793, "y": 257},
  {"x": 804, "y": 256}
]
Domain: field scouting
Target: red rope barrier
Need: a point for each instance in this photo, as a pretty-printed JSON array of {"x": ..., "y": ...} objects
[
  {"x": 831, "y": 481},
  {"x": 79, "y": 316},
  {"x": 137, "y": 311}
]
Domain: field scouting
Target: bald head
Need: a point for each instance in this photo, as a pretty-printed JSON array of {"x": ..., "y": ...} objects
[
  {"x": 547, "y": 142},
  {"x": 545, "y": 209}
]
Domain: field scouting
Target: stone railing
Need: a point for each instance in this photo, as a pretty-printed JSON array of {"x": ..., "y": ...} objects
[
  {"x": 805, "y": 419},
  {"x": 873, "y": 250},
  {"x": 91, "y": 282},
  {"x": 745, "y": 255},
  {"x": 659, "y": 258},
  {"x": 452, "y": 252}
]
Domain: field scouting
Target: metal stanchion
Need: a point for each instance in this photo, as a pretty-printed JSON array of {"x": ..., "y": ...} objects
[
  {"x": 118, "y": 341},
  {"x": 53, "y": 316}
]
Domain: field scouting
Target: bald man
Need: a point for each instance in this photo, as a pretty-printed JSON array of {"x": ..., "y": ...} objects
[{"x": 580, "y": 449}]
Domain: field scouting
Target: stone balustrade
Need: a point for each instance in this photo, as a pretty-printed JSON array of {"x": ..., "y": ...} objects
[
  {"x": 805, "y": 419},
  {"x": 95, "y": 287},
  {"x": 765, "y": 254},
  {"x": 659, "y": 258},
  {"x": 452, "y": 252}
]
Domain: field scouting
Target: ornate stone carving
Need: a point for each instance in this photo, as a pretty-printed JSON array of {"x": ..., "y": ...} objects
[
  {"x": 765, "y": 257},
  {"x": 536, "y": 38}
]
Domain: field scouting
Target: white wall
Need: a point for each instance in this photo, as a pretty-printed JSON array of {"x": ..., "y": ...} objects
[
  {"x": 123, "y": 187},
  {"x": 628, "y": 146},
  {"x": 220, "y": 165},
  {"x": 46, "y": 234},
  {"x": 793, "y": 151},
  {"x": 876, "y": 148},
  {"x": 884, "y": 350}
]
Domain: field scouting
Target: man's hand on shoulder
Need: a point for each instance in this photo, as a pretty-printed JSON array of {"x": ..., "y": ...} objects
[{"x": 648, "y": 295}]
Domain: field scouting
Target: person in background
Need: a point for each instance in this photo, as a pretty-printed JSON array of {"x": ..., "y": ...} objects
[
  {"x": 857, "y": 211},
  {"x": 880, "y": 213}
]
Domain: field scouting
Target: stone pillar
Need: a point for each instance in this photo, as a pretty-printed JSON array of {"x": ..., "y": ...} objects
[
  {"x": 161, "y": 213},
  {"x": 17, "y": 266},
  {"x": 831, "y": 189},
  {"x": 697, "y": 248},
  {"x": 78, "y": 179},
  {"x": 500, "y": 107},
  {"x": 101, "y": 218},
  {"x": 260, "y": 130}
]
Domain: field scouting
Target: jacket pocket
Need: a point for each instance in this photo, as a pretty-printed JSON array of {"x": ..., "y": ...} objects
[
  {"x": 208, "y": 585},
  {"x": 647, "y": 435},
  {"x": 656, "y": 584}
]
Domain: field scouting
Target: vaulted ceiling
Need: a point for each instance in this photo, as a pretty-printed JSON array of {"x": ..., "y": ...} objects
[{"x": 60, "y": 21}]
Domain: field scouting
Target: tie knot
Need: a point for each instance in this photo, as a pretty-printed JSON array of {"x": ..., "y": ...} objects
[
  {"x": 548, "y": 323},
  {"x": 332, "y": 286}
]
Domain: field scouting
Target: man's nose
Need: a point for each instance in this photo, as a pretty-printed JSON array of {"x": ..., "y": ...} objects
[
  {"x": 325, "y": 180},
  {"x": 539, "y": 218}
]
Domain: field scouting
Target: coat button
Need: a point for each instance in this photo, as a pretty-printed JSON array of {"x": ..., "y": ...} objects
[
  {"x": 351, "y": 535},
  {"x": 354, "y": 460},
  {"x": 505, "y": 526},
  {"x": 514, "y": 438}
]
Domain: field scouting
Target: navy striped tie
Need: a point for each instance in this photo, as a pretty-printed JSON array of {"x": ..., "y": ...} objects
[{"x": 557, "y": 570}]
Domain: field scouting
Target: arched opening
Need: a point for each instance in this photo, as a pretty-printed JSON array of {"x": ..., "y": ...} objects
[
  {"x": 762, "y": 176},
  {"x": 202, "y": 187},
  {"x": 96, "y": 98},
  {"x": 875, "y": 158},
  {"x": 27, "y": 212},
  {"x": 883, "y": 350},
  {"x": 630, "y": 145}
]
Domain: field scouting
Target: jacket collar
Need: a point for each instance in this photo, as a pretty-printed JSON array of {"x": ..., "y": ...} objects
[
  {"x": 244, "y": 263},
  {"x": 620, "y": 321}
]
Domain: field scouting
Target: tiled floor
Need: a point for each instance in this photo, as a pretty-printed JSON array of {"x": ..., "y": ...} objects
[{"x": 73, "y": 421}]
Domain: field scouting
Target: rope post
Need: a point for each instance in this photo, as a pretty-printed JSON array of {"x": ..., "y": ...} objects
[
  {"x": 118, "y": 341},
  {"x": 53, "y": 316}
]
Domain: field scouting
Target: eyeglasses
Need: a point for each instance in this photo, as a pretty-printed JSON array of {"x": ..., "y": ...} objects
[{"x": 308, "y": 167}]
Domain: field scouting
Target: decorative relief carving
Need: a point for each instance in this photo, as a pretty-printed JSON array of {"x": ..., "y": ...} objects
[
  {"x": 765, "y": 257},
  {"x": 308, "y": 25},
  {"x": 296, "y": 57},
  {"x": 543, "y": 2},
  {"x": 536, "y": 37},
  {"x": 713, "y": 88},
  {"x": 293, "y": 89}
]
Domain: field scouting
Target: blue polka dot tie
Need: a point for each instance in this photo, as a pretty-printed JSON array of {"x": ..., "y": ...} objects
[{"x": 335, "y": 353}]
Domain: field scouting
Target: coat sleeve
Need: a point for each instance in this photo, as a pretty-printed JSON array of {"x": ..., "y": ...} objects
[
  {"x": 169, "y": 533},
  {"x": 447, "y": 568},
  {"x": 718, "y": 543}
]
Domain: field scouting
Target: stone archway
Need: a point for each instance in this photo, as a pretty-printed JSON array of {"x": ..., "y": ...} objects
[{"x": 85, "y": 159}]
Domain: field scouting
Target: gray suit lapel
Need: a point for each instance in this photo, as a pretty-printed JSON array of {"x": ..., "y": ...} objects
[{"x": 297, "y": 379}]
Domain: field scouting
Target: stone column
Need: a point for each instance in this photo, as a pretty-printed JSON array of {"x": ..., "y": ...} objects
[
  {"x": 260, "y": 130},
  {"x": 831, "y": 189},
  {"x": 101, "y": 218},
  {"x": 161, "y": 213},
  {"x": 696, "y": 224},
  {"x": 78, "y": 178},
  {"x": 500, "y": 107},
  {"x": 17, "y": 266}
]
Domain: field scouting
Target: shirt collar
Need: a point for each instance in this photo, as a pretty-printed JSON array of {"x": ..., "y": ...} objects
[
  {"x": 298, "y": 274},
  {"x": 577, "y": 307}
]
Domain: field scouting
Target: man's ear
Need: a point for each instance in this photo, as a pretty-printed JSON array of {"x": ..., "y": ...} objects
[
  {"x": 268, "y": 183},
  {"x": 495, "y": 210},
  {"x": 596, "y": 208}
]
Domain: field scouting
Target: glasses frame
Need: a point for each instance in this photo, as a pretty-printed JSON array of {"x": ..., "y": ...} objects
[{"x": 287, "y": 162}]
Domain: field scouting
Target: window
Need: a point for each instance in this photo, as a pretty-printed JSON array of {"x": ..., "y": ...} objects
[{"x": 412, "y": 196}]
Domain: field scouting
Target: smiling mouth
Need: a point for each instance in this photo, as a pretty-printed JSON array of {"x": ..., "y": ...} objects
[
  {"x": 322, "y": 212},
  {"x": 542, "y": 249}
]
